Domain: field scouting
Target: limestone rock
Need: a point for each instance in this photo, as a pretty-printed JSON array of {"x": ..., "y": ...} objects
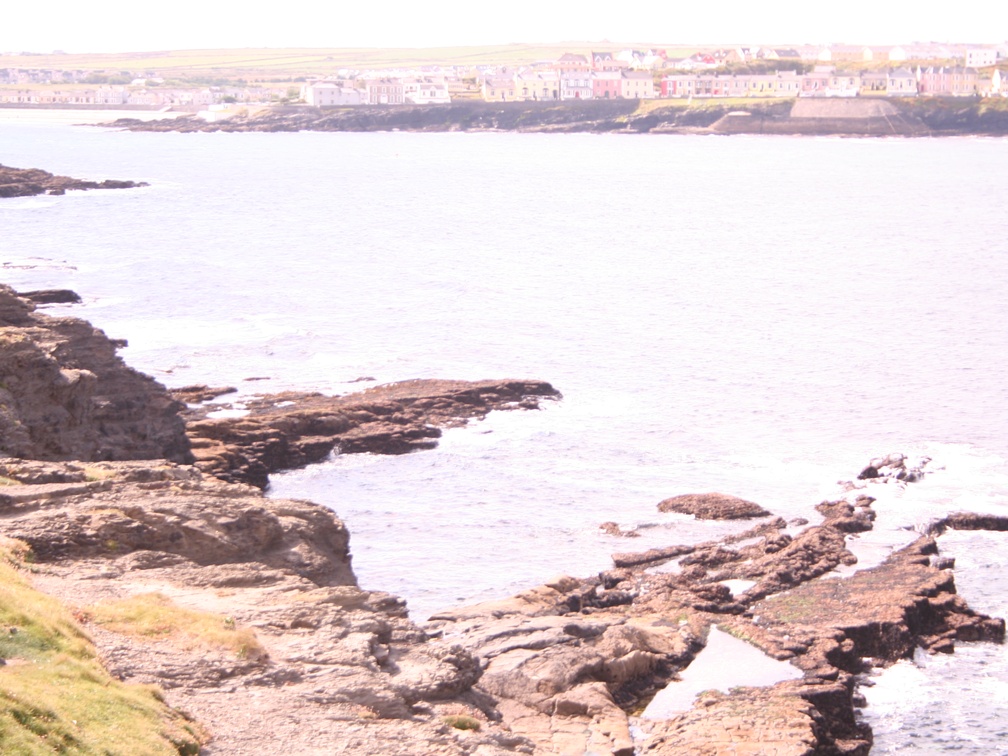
[{"x": 712, "y": 506}]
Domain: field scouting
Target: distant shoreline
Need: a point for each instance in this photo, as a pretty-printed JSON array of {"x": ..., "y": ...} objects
[{"x": 855, "y": 117}]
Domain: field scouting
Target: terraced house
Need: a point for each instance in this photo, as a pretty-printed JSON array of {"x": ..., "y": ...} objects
[{"x": 828, "y": 82}]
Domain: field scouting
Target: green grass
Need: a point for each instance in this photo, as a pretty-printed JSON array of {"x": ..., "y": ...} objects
[
  {"x": 283, "y": 64},
  {"x": 462, "y": 722},
  {"x": 155, "y": 616},
  {"x": 55, "y": 696}
]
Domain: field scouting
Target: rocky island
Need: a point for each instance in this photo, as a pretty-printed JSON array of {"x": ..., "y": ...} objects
[
  {"x": 144, "y": 518},
  {"x": 28, "y": 182}
]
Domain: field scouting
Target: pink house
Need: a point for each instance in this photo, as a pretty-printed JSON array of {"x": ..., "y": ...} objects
[
  {"x": 954, "y": 81},
  {"x": 607, "y": 85}
]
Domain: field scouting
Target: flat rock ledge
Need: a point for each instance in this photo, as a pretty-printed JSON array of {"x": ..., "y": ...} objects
[
  {"x": 712, "y": 506},
  {"x": 28, "y": 182},
  {"x": 290, "y": 430},
  {"x": 572, "y": 664}
]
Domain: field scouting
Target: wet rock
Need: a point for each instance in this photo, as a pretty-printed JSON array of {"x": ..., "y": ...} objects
[
  {"x": 51, "y": 296},
  {"x": 201, "y": 393},
  {"x": 896, "y": 467},
  {"x": 651, "y": 556},
  {"x": 26, "y": 182},
  {"x": 847, "y": 518},
  {"x": 612, "y": 528},
  {"x": 290, "y": 430}
]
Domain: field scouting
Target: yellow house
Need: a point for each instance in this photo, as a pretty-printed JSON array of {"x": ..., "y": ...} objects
[{"x": 499, "y": 89}]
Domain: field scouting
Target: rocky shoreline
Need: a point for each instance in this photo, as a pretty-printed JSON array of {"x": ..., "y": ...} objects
[
  {"x": 814, "y": 117},
  {"x": 28, "y": 182},
  {"x": 122, "y": 490}
]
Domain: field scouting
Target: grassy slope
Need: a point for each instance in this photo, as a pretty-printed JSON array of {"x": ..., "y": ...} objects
[
  {"x": 55, "y": 696},
  {"x": 272, "y": 64}
]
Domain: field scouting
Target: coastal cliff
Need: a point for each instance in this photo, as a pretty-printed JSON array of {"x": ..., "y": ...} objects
[
  {"x": 262, "y": 635},
  {"x": 66, "y": 394},
  {"x": 840, "y": 116}
]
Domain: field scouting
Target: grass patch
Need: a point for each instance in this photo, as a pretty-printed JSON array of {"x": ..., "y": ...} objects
[
  {"x": 285, "y": 64},
  {"x": 93, "y": 473},
  {"x": 154, "y": 615},
  {"x": 462, "y": 722},
  {"x": 55, "y": 696},
  {"x": 792, "y": 606}
]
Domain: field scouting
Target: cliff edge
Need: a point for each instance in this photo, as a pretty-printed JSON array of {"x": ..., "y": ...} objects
[{"x": 66, "y": 394}]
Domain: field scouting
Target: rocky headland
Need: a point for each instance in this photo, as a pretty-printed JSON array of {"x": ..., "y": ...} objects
[
  {"x": 27, "y": 182},
  {"x": 840, "y": 116},
  {"x": 128, "y": 496}
]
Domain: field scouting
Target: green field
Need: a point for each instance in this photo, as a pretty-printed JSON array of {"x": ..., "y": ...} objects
[{"x": 275, "y": 64}]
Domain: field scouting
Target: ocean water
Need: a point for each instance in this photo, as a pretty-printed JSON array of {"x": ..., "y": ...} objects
[{"x": 753, "y": 315}]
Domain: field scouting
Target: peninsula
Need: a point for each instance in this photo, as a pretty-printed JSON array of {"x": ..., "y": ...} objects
[{"x": 132, "y": 509}]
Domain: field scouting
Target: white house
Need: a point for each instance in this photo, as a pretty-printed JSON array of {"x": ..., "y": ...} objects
[
  {"x": 426, "y": 92},
  {"x": 981, "y": 57},
  {"x": 328, "y": 94}
]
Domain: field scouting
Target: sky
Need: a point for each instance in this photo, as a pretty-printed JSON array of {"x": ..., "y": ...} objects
[{"x": 127, "y": 26}]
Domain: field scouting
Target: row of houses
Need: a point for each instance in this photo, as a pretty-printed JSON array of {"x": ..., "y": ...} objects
[
  {"x": 651, "y": 60},
  {"x": 377, "y": 91},
  {"x": 155, "y": 97},
  {"x": 568, "y": 85},
  {"x": 825, "y": 81}
]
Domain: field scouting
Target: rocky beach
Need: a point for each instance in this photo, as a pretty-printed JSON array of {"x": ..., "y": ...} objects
[{"x": 120, "y": 490}]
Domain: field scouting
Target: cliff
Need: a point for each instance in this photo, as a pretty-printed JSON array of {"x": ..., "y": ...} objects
[
  {"x": 66, "y": 394},
  {"x": 246, "y": 613}
]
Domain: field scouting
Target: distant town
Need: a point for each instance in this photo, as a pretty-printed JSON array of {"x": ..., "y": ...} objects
[{"x": 918, "y": 70}]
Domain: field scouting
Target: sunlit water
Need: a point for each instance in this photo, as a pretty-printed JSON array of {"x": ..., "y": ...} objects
[
  {"x": 758, "y": 316},
  {"x": 724, "y": 663}
]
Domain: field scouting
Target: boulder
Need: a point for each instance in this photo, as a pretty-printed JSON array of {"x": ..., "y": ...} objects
[{"x": 712, "y": 506}]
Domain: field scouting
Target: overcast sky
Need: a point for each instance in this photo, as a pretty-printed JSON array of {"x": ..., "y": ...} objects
[{"x": 128, "y": 26}]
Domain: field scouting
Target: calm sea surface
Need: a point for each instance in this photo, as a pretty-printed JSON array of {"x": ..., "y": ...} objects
[{"x": 758, "y": 316}]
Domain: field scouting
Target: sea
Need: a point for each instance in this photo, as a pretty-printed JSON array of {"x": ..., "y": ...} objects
[{"x": 755, "y": 315}]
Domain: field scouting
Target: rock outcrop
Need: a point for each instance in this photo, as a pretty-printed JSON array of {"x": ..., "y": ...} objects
[
  {"x": 65, "y": 393},
  {"x": 289, "y": 430},
  {"x": 337, "y": 664},
  {"x": 894, "y": 467},
  {"x": 26, "y": 182},
  {"x": 712, "y": 506},
  {"x": 569, "y": 662}
]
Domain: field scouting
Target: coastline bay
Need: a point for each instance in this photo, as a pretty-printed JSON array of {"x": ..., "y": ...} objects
[{"x": 753, "y": 314}]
